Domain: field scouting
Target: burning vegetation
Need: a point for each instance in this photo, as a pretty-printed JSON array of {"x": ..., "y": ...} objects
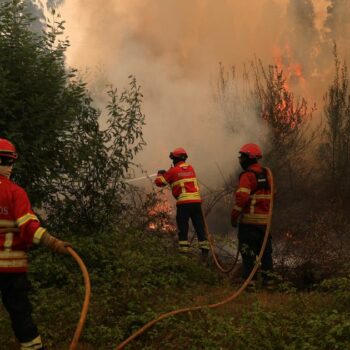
[
  {"x": 161, "y": 215},
  {"x": 122, "y": 231},
  {"x": 310, "y": 161}
]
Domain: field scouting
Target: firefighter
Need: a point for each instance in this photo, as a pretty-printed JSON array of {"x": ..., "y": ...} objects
[
  {"x": 19, "y": 229},
  {"x": 181, "y": 177},
  {"x": 251, "y": 212}
]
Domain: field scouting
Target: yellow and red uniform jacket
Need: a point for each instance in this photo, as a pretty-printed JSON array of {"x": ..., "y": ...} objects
[
  {"x": 252, "y": 204},
  {"x": 183, "y": 182},
  {"x": 19, "y": 227}
]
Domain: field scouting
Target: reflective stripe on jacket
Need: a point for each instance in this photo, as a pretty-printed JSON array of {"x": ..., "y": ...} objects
[
  {"x": 183, "y": 182},
  {"x": 252, "y": 203},
  {"x": 19, "y": 227}
]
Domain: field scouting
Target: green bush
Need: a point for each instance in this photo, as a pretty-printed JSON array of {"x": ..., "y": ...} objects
[{"x": 135, "y": 276}]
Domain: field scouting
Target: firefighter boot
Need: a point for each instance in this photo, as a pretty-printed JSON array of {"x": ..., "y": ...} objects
[
  {"x": 270, "y": 285},
  {"x": 34, "y": 344},
  {"x": 184, "y": 247},
  {"x": 269, "y": 281},
  {"x": 252, "y": 286}
]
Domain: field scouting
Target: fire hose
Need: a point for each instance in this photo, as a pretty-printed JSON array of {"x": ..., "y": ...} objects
[
  {"x": 210, "y": 237},
  {"x": 83, "y": 314},
  {"x": 231, "y": 297},
  {"x": 82, "y": 319},
  {"x": 213, "y": 253},
  {"x": 212, "y": 246}
]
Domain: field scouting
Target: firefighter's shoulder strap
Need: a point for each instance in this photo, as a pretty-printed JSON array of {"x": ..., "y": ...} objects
[{"x": 261, "y": 179}]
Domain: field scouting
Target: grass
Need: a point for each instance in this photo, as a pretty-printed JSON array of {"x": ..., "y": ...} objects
[{"x": 130, "y": 289}]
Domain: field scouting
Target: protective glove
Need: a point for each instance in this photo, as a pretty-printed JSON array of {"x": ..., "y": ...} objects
[
  {"x": 56, "y": 245},
  {"x": 161, "y": 172},
  {"x": 234, "y": 222}
]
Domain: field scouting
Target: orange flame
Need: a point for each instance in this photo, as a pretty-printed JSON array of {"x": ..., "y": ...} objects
[
  {"x": 160, "y": 215},
  {"x": 284, "y": 62}
]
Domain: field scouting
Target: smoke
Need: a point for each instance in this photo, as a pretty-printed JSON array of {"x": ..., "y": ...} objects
[
  {"x": 39, "y": 10},
  {"x": 337, "y": 24},
  {"x": 174, "y": 49}
]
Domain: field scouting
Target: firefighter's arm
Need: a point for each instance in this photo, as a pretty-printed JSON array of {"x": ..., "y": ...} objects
[
  {"x": 39, "y": 235},
  {"x": 235, "y": 216},
  {"x": 163, "y": 178},
  {"x": 56, "y": 245},
  {"x": 31, "y": 231},
  {"x": 237, "y": 209},
  {"x": 242, "y": 196}
]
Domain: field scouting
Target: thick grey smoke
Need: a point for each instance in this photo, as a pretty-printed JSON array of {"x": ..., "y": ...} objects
[{"x": 174, "y": 49}]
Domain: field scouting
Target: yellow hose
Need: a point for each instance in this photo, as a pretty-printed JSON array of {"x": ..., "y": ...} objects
[
  {"x": 82, "y": 319},
  {"x": 223, "y": 302}
]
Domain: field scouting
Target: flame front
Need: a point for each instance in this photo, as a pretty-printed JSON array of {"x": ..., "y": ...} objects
[{"x": 161, "y": 215}]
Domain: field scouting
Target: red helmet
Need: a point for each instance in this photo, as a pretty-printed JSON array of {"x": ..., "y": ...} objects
[
  {"x": 251, "y": 150},
  {"x": 7, "y": 149},
  {"x": 178, "y": 153}
]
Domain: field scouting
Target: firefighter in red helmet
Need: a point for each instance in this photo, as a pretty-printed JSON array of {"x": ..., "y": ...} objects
[
  {"x": 251, "y": 211},
  {"x": 19, "y": 229},
  {"x": 182, "y": 179}
]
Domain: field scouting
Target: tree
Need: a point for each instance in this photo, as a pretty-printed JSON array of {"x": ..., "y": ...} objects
[
  {"x": 261, "y": 106},
  {"x": 91, "y": 195},
  {"x": 335, "y": 150},
  {"x": 38, "y": 95},
  {"x": 68, "y": 164},
  {"x": 287, "y": 120}
]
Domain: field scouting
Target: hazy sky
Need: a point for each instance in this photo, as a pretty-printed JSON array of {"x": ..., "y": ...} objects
[{"x": 174, "y": 47}]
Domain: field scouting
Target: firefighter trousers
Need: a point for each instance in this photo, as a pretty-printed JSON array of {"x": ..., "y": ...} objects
[
  {"x": 250, "y": 240},
  {"x": 14, "y": 289},
  {"x": 192, "y": 211}
]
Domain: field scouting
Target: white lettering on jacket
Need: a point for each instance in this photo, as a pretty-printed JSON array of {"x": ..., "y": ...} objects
[
  {"x": 184, "y": 174},
  {"x": 4, "y": 210}
]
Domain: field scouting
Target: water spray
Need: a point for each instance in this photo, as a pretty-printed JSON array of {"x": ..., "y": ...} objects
[{"x": 141, "y": 178}]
